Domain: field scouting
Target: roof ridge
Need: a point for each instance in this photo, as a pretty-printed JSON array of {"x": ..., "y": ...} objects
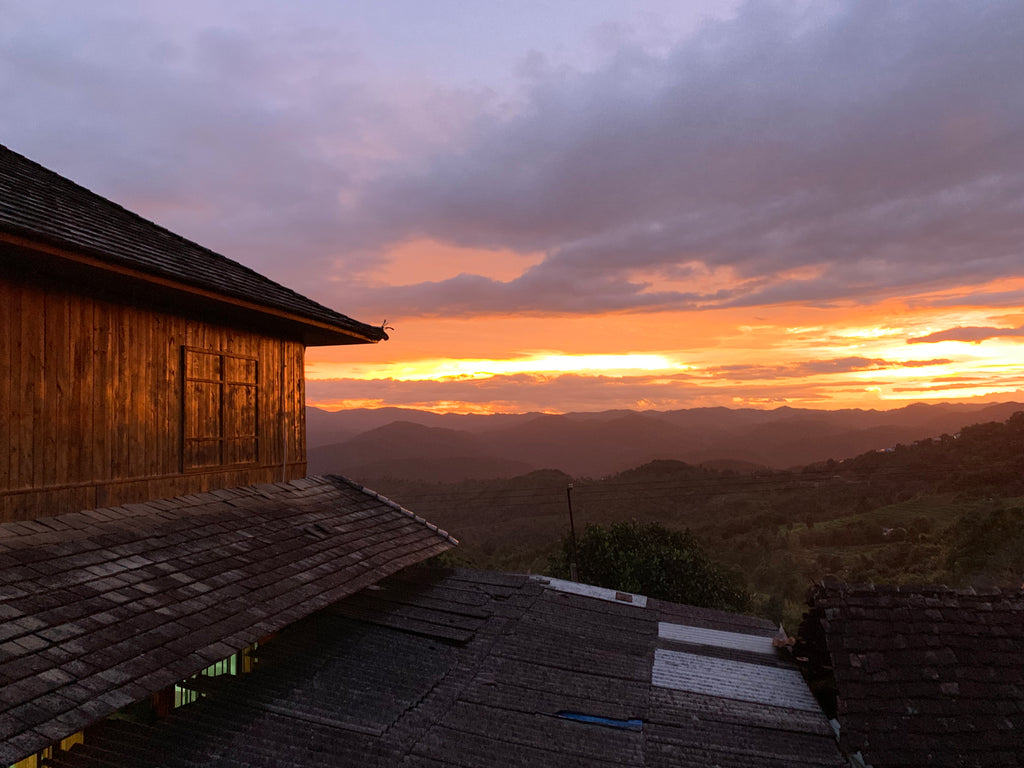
[
  {"x": 149, "y": 222},
  {"x": 837, "y": 588},
  {"x": 385, "y": 500}
]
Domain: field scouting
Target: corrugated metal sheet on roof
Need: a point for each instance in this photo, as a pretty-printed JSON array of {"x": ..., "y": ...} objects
[
  {"x": 729, "y": 679},
  {"x": 718, "y": 638}
]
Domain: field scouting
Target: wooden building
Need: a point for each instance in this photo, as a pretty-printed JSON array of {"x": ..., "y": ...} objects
[
  {"x": 137, "y": 364},
  {"x": 156, "y": 523}
]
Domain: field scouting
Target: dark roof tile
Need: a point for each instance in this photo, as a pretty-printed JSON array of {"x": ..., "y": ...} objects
[
  {"x": 916, "y": 668},
  {"x": 104, "y": 636},
  {"x": 374, "y": 680}
]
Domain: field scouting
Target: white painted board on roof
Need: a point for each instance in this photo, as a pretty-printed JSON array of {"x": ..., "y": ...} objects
[
  {"x": 730, "y": 679},
  {"x": 738, "y": 641},
  {"x": 598, "y": 593}
]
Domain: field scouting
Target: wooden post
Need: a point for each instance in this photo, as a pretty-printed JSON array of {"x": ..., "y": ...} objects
[
  {"x": 163, "y": 702},
  {"x": 284, "y": 413},
  {"x": 574, "y": 566}
]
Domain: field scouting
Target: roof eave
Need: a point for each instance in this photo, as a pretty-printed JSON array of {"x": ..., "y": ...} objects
[{"x": 313, "y": 332}]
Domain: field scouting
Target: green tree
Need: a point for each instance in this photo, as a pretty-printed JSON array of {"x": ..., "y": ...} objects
[
  {"x": 988, "y": 543},
  {"x": 652, "y": 560}
]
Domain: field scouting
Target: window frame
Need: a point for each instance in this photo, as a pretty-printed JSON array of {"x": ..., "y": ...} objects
[{"x": 224, "y": 383}]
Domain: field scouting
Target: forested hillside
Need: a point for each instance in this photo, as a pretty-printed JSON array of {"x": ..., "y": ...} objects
[{"x": 948, "y": 509}]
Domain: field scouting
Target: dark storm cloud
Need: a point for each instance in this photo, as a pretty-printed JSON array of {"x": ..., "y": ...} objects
[
  {"x": 974, "y": 334},
  {"x": 876, "y": 147}
]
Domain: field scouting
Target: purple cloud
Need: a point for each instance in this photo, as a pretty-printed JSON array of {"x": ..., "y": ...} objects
[
  {"x": 816, "y": 153},
  {"x": 859, "y": 140},
  {"x": 973, "y": 334},
  {"x": 819, "y": 367}
]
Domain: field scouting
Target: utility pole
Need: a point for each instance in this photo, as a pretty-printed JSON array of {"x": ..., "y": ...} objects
[{"x": 574, "y": 565}]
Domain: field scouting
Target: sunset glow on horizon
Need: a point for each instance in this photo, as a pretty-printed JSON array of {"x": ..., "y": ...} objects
[
  {"x": 537, "y": 364},
  {"x": 838, "y": 358}
]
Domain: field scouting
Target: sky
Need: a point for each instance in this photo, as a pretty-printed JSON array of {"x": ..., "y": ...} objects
[{"x": 573, "y": 205}]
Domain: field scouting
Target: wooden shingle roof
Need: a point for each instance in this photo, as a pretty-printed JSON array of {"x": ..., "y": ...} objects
[
  {"x": 40, "y": 206},
  {"x": 430, "y": 669},
  {"x": 101, "y": 608},
  {"x": 924, "y": 675}
]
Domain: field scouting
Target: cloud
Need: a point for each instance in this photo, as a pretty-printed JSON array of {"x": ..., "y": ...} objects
[
  {"x": 812, "y": 153},
  {"x": 973, "y": 334},
  {"x": 248, "y": 132},
  {"x": 966, "y": 297},
  {"x": 539, "y": 290},
  {"x": 818, "y": 368},
  {"x": 722, "y": 385},
  {"x": 868, "y": 143},
  {"x": 572, "y": 392},
  {"x": 944, "y": 386}
]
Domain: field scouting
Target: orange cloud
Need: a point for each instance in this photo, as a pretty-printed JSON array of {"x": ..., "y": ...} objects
[{"x": 831, "y": 358}]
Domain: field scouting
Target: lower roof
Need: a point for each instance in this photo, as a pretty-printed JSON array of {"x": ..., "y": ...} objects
[
  {"x": 101, "y": 608},
  {"x": 467, "y": 668},
  {"x": 924, "y": 675}
]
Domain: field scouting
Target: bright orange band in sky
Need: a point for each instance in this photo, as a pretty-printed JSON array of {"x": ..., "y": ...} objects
[{"x": 844, "y": 357}]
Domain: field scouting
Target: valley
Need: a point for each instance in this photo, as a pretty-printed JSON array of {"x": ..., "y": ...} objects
[{"x": 947, "y": 507}]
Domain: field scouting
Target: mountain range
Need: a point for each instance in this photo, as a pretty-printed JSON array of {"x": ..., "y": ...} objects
[{"x": 368, "y": 444}]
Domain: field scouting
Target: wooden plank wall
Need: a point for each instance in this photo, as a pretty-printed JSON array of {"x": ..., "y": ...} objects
[{"x": 91, "y": 402}]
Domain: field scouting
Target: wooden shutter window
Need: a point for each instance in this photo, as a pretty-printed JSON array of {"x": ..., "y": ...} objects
[{"x": 221, "y": 403}]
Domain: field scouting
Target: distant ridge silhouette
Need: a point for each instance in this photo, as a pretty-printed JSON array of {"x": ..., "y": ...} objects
[{"x": 399, "y": 442}]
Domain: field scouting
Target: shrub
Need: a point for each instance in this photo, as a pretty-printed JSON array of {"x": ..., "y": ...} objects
[{"x": 652, "y": 560}]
